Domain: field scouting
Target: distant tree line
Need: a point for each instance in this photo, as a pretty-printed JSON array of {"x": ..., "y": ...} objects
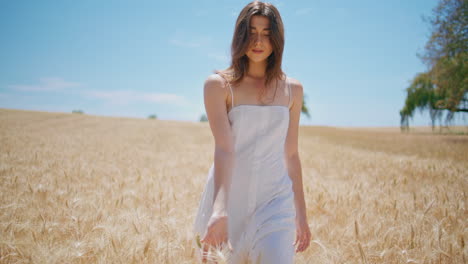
[{"x": 443, "y": 88}]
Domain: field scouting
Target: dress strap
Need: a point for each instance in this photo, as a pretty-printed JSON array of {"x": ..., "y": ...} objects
[
  {"x": 232, "y": 95},
  {"x": 230, "y": 88},
  {"x": 290, "y": 94}
]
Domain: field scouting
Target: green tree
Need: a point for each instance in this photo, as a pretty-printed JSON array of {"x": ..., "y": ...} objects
[
  {"x": 423, "y": 95},
  {"x": 203, "y": 118},
  {"x": 305, "y": 109},
  {"x": 445, "y": 85}
]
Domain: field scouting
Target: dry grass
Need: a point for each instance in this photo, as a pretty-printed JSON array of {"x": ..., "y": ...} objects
[{"x": 86, "y": 189}]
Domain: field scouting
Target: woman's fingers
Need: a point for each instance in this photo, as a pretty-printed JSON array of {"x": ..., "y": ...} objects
[
  {"x": 207, "y": 241},
  {"x": 302, "y": 242},
  {"x": 205, "y": 253},
  {"x": 296, "y": 243},
  {"x": 300, "y": 248},
  {"x": 210, "y": 242},
  {"x": 303, "y": 245}
]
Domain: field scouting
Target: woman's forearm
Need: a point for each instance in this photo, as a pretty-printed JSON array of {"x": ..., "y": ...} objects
[
  {"x": 295, "y": 173},
  {"x": 223, "y": 163}
]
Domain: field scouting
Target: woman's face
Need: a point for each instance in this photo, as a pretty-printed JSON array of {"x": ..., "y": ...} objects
[{"x": 260, "y": 46}]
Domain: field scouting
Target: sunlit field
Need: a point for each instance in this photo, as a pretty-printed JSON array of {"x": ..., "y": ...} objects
[{"x": 78, "y": 188}]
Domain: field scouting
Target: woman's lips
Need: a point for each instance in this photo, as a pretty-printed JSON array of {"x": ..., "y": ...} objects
[{"x": 257, "y": 51}]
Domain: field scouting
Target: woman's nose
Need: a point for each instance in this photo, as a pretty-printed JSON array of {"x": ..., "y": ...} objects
[{"x": 258, "y": 39}]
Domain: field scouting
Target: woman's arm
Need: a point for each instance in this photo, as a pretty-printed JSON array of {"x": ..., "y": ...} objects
[
  {"x": 215, "y": 94},
  {"x": 293, "y": 162}
]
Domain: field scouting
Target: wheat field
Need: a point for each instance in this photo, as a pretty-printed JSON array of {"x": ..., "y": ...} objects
[{"x": 78, "y": 188}]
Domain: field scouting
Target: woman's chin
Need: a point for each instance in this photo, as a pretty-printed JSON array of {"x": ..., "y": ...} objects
[{"x": 257, "y": 59}]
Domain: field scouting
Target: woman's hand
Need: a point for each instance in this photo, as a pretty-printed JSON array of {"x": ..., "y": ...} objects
[
  {"x": 302, "y": 233},
  {"x": 216, "y": 234}
]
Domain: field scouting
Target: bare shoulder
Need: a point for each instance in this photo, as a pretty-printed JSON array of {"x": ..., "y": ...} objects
[
  {"x": 296, "y": 86},
  {"x": 215, "y": 91},
  {"x": 214, "y": 80}
]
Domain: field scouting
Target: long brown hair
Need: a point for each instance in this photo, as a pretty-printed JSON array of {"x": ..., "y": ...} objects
[{"x": 241, "y": 39}]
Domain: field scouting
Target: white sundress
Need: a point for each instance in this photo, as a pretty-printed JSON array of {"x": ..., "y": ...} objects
[{"x": 261, "y": 210}]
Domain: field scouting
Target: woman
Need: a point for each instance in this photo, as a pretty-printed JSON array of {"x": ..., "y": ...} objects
[{"x": 253, "y": 201}]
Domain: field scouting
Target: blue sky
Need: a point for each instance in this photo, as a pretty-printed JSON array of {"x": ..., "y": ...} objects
[{"x": 136, "y": 58}]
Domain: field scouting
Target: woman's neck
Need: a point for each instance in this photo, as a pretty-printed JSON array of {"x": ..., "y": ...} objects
[{"x": 257, "y": 70}]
